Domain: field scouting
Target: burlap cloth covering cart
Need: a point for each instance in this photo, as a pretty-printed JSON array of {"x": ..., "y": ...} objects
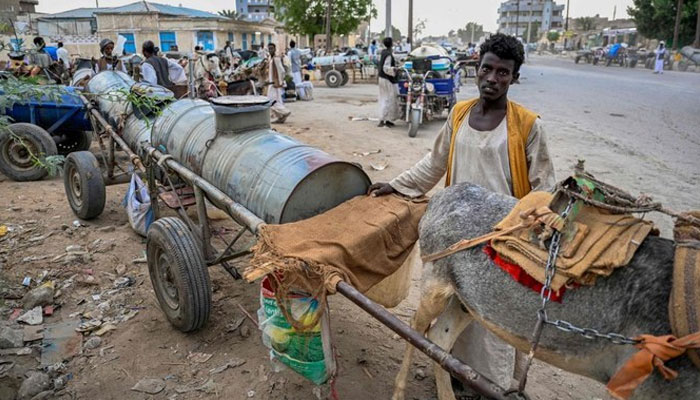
[
  {"x": 361, "y": 241},
  {"x": 593, "y": 245}
]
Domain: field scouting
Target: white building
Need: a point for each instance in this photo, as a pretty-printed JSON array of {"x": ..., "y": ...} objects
[
  {"x": 255, "y": 10},
  {"x": 543, "y": 15}
]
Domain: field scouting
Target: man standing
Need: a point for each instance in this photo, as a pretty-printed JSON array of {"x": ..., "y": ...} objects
[
  {"x": 108, "y": 62},
  {"x": 295, "y": 59},
  {"x": 388, "y": 91},
  {"x": 154, "y": 69},
  {"x": 63, "y": 56},
  {"x": 660, "y": 55},
  {"x": 373, "y": 51},
  {"x": 276, "y": 84},
  {"x": 498, "y": 144}
]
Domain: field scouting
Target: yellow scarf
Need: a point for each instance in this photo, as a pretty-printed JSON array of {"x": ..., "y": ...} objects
[{"x": 519, "y": 121}]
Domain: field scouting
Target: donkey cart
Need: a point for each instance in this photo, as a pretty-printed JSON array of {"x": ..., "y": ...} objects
[{"x": 192, "y": 153}]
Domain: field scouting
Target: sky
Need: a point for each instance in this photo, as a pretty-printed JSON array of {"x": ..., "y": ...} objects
[{"x": 441, "y": 15}]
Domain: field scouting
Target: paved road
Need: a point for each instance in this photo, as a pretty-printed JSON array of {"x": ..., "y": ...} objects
[{"x": 634, "y": 128}]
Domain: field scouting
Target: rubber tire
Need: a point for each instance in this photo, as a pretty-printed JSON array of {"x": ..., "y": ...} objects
[
  {"x": 346, "y": 78},
  {"x": 333, "y": 78},
  {"x": 169, "y": 239},
  {"x": 42, "y": 142},
  {"x": 81, "y": 142},
  {"x": 414, "y": 123},
  {"x": 577, "y": 59},
  {"x": 81, "y": 168}
]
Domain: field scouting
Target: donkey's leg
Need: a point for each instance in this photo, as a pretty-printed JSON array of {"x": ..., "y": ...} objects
[
  {"x": 433, "y": 299},
  {"x": 444, "y": 333}
]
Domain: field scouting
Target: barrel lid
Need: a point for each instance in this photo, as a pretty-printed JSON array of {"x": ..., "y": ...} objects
[{"x": 239, "y": 101}]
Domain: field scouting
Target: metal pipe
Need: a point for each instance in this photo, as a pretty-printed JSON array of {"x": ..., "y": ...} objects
[
  {"x": 241, "y": 214},
  {"x": 449, "y": 363},
  {"x": 95, "y": 113},
  {"x": 203, "y": 222}
]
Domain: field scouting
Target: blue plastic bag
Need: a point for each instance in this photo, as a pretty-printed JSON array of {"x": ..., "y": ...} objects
[{"x": 138, "y": 206}]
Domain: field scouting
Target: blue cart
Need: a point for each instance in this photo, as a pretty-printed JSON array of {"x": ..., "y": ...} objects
[{"x": 43, "y": 127}]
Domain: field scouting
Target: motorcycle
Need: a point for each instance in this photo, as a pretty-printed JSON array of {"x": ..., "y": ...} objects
[{"x": 425, "y": 93}]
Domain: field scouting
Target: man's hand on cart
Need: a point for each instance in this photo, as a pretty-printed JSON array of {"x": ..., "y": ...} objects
[{"x": 380, "y": 189}]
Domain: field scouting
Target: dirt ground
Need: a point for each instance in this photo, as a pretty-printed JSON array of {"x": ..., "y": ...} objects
[{"x": 146, "y": 346}]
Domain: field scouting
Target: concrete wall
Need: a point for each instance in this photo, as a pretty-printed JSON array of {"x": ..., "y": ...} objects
[{"x": 54, "y": 27}]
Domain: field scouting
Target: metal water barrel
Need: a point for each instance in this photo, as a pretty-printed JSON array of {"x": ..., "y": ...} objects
[
  {"x": 231, "y": 145},
  {"x": 104, "y": 87}
]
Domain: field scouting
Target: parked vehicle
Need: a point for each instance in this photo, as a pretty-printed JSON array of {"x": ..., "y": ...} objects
[
  {"x": 334, "y": 68},
  {"x": 428, "y": 85}
]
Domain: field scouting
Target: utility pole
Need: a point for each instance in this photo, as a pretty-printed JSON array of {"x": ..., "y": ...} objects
[
  {"x": 97, "y": 3},
  {"x": 517, "y": 18},
  {"x": 696, "y": 43},
  {"x": 566, "y": 25},
  {"x": 473, "y": 25},
  {"x": 678, "y": 24},
  {"x": 387, "y": 29},
  {"x": 529, "y": 26},
  {"x": 329, "y": 38},
  {"x": 410, "y": 23}
]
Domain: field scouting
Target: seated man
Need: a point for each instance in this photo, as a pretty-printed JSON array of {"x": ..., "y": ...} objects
[
  {"x": 305, "y": 90},
  {"x": 158, "y": 70},
  {"x": 39, "y": 57}
]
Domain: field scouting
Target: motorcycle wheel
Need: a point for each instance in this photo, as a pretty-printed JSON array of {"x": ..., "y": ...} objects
[{"x": 414, "y": 123}]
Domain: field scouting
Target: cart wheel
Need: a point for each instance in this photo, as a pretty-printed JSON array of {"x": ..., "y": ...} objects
[
  {"x": 179, "y": 274},
  {"x": 74, "y": 141},
  {"x": 414, "y": 123},
  {"x": 333, "y": 78},
  {"x": 17, "y": 145},
  {"x": 346, "y": 78},
  {"x": 84, "y": 185}
]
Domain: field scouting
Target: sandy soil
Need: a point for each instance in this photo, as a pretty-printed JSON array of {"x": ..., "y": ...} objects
[{"x": 368, "y": 353}]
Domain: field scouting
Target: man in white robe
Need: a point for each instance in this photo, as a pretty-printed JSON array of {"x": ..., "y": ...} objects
[
  {"x": 388, "y": 90},
  {"x": 276, "y": 84}
]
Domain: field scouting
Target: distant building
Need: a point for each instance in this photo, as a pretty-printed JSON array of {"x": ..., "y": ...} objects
[
  {"x": 167, "y": 26},
  {"x": 11, "y": 8},
  {"x": 255, "y": 10},
  {"x": 542, "y": 15}
]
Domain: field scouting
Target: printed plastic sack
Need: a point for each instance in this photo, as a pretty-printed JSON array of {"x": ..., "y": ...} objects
[
  {"x": 307, "y": 353},
  {"x": 138, "y": 206}
]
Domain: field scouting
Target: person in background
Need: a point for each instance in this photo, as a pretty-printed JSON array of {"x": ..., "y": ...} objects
[
  {"x": 155, "y": 70},
  {"x": 63, "y": 56},
  {"x": 228, "y": 52},
  {"x": 295, "y": 60},
  {"x": 39, "y": 57},
  {"x": 388, "y": 90},
  {"x": 660, "y": 55},
  {"x": 108, "y": 62},
  {"x": 408, "y": 47},
  {"x": 373, "y": 51},
  {"x": 276, "y": 84},
  {"x": 496, "y": 143},
  {"x": 306, "y": 89}
]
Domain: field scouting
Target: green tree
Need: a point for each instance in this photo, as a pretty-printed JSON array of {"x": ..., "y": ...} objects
[
  {"x": 308, "y": 17},
  {"x": 395, "y": 34},
  {"x": 531, "y": 35},
  {"x": 655, "y": 19},
  {"x": 419, "y": 28},
  {"x": 228, "y": 13},
  {"x": 466, "y": 34},
  {"x": 553, "y": 36},
  {"x": 585, "y": 23}
]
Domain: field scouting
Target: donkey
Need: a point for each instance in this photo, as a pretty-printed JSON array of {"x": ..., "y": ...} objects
[
  {"x": 632, "y": 301},
  {"x": 206, "y": 73}
]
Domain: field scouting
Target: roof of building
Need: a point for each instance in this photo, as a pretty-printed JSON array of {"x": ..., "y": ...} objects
[
  {"x": 137, "y": 7},
  {"x": 77, "y": 13},
  {"x": 147, "y": 6}
]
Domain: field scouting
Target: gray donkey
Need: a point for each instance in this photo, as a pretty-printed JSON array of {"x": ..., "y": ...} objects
[{"x": 632, "y": 301}]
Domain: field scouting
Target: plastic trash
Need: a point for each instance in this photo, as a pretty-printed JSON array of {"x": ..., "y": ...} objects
[{"x": 138, "y": 206}]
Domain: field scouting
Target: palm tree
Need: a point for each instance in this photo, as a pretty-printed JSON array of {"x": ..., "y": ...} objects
[{"x": 228, "y": 13}]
